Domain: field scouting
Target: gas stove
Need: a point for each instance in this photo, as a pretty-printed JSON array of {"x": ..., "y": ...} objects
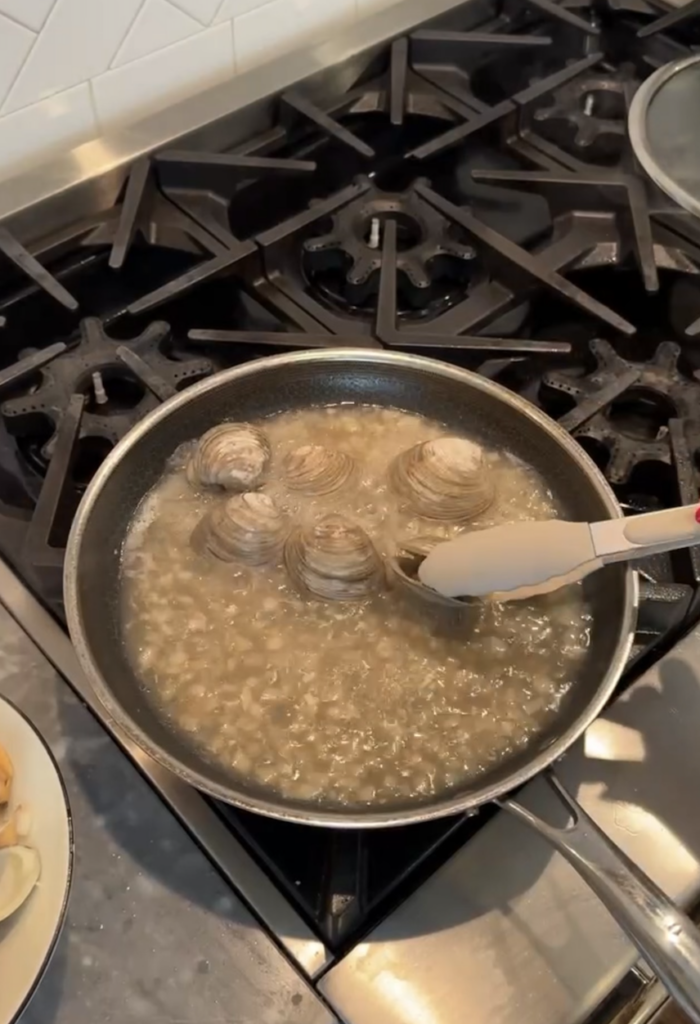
[{"x": 466, "y": 191}]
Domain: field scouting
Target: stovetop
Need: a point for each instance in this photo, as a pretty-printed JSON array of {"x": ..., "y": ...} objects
[{"x": 472, "y": 196}]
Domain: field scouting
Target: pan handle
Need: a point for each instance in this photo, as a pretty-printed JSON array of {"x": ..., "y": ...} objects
[{"x": 667, "y": 939}]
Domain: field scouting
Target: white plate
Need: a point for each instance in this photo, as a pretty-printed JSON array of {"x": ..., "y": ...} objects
[{"x": 28, "y": 938}]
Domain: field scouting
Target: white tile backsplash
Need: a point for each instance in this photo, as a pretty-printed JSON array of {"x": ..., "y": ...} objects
[
  {"x": 15, "y": 44},
  {"x": 30, "y": 13},
  {"x": 36, "y": 133},
  {"x": 73, "y": 69},
  {"x": 78, "y": 41},
  {"x": 144, "y": 86},
  {"x": 158, "y": 25}
]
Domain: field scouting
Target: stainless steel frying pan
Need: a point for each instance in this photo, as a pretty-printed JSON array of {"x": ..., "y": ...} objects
[{"x": 463, "y": 401}]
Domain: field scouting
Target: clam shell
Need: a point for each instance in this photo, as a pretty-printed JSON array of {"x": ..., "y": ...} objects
[
  {"x": 20, "y": 868},
  {"x": 246, "y": 528},
  {"x": 434, "y": 611},
  {"x": 316, "y": 470},
  {"x": 403, "y": 573},
  {"x": 446, "y": 479},
  {"x": 333, "y": 559},
  {"x": 233, "y": 456}
]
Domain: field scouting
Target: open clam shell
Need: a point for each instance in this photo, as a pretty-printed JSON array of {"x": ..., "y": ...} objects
[
  {"x": 247, "y": 528},
  {"x": 20, "y": 868},
  {"x": 446, "y": 479},
  {"x": 232, "y": 456},
  {"x": 333, "y": 559},
  {"x": 316, "y": 470},
  {"x": 403, "y": 572}
]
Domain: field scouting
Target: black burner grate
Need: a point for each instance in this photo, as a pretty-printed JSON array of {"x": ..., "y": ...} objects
[
  {"x": 343, "y": 881},
  {"x": 122, "y": 382}
]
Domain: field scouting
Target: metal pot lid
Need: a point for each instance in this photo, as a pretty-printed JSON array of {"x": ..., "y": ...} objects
[{"x": 664, "y": 128}]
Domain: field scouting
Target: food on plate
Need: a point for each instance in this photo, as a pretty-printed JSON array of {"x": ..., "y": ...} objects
[
  {"x": 15, "y": 828},
  {"x": 445, "y": 479},
  {"x": 20, "y": 868},
  {"x": 231, "y": 456},
  {"x": 374, "y": 699},
  {"x": 20, "y": 865},
  {"x": 6, "y": 775},
  {"x": 247, "y": 528},
  {"x": 315, "y": 469}
]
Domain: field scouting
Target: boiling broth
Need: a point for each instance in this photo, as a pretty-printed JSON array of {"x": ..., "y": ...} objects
[{"x": 343, "y": 704}]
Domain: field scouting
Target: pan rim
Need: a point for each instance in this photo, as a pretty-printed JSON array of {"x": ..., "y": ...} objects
[{"x": 308, "y": 814}]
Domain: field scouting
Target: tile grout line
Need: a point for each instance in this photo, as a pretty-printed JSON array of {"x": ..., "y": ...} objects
[
  {"x": 200, "y": 28},
  {"x": 236, "y": 18},
  {"x": 13, "y": 80},
  {"x": 124, "y": 37},
  {"x": 204, "y": 24},
  {"x": 19, "y": 24},
  {"x": 173, "y": 5},
  {"x": 154, "y": 53},
  {"x": 233, "y": 43},
  {"x": 8, "y": 94},
  {"x": 93, "y": 106},
  {"x": 47, "y": 16},
  {"x": 218, "y": 11}
]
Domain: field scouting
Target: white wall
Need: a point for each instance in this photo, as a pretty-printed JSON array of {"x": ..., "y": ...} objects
[{"x": 71, "y": 70}]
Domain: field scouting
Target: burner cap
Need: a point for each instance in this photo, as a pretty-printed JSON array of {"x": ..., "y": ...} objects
[
  {"x": 344, "y": 263},
  {"x": 663, "y": 128}
]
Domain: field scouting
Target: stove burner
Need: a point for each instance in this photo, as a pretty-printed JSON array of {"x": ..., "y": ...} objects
[
  {"x": 624, "y": 410},
  {"x": 588, "y": 118},
  {"x": 121, "y": 382},
  {"x": 345, "y": 263}
]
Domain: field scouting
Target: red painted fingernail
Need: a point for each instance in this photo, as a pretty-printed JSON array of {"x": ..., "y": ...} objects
[{"x": 697, "y": 514}]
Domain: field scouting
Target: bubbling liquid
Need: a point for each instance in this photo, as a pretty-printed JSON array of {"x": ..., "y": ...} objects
[{"x": 343, "y": 704}]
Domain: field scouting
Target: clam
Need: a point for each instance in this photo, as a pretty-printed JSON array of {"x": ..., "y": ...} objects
[
  {"x": 16, "y": 828},
  {"x": 316, "y": 470},
  {"x": 247, "y": 528},
  {"x": 232, "y": 456},
  {"x": 445, "y": 479},
  {"x": 20, "y": 868},
  {"x": 333, "y": 559},
  {"x": 403, "y": 572}
]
